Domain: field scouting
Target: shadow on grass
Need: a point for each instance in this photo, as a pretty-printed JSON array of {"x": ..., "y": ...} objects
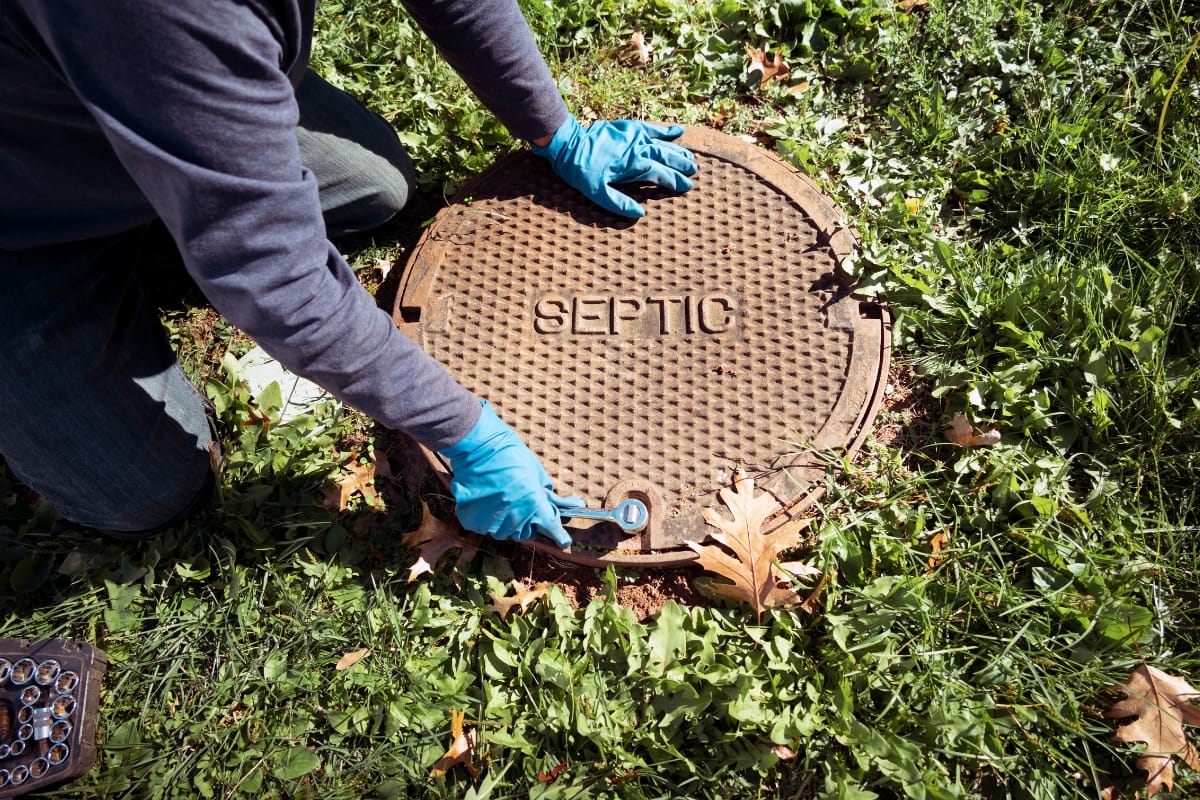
[
  {"x": 254, "y": 519},
  {"x": 284, "y": 514}
]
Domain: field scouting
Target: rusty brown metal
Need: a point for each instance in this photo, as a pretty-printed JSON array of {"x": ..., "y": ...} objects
[{"x": 653, "y": 358}]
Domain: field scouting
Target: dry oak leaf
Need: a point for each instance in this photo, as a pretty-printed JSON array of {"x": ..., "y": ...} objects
[
  {"x": 434, "y": 539},
  {"x": 552, "y": 775},
  {"x": 962, "y": 433},
  {"x": 1162, "y": 705},
  {"x": 743, "y": 553},
  {"x": 462, "y": 748},
  {"x": 360, "y": 478},
  {"x": 522, "y": 597},
  {"x": 936, "y": 545},
  {"x": 770, "y": 70},
  {"x": 783, "y": 752},
  {"x": 350, "y": 659},
  {"x": 636, "y": 50}
]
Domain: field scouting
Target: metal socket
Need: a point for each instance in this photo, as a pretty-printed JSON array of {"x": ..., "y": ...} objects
[
  {"x": 66, "y": 682},
  {"x": 59, "y": 731},
  {"x": 63, "y": 706},
  {"x": 58, "y": 754},
  {"x": 47, "y": 671},
  {"x": 22, "y": 671}
]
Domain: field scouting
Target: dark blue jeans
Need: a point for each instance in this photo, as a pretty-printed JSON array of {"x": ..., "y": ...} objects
[{"x": 95, "y": 413}]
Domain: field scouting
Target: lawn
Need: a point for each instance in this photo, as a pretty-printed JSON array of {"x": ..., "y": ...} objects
[{"x": 1024, "y": 177}]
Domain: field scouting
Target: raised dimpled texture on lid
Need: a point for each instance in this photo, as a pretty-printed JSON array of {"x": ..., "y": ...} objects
[{"x": 653, "y": 358}]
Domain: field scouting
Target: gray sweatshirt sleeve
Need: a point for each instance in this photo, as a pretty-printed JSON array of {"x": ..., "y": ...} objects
[
  {"x": 195, "y": 100},
  {"x": 488, "y": 42}
]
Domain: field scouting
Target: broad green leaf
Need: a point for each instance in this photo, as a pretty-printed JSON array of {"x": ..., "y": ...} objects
[
  {"x": 198, "y": 569},
  {"x": 668, "y": 639},
  {"x": 296, "y": 762},
  {"x": 270, "y": 399},
  {"x": 30, "y": 573}
]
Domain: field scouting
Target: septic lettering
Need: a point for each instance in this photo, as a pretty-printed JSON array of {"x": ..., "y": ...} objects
[{"x": 633, "y": 316}]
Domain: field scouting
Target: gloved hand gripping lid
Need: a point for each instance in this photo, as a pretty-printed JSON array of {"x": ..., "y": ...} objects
[{"x": 594, "y": 158}]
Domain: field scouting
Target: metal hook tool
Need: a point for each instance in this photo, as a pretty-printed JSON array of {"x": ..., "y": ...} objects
[{"x": 630, "y": 515}]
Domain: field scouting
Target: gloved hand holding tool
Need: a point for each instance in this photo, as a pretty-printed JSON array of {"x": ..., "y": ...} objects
[
  {"x": 625, "y": 151},
  {"x": 500, "y": 488}
]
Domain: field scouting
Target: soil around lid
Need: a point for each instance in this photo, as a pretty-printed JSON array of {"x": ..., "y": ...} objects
[{"x": 643, "y": 591}]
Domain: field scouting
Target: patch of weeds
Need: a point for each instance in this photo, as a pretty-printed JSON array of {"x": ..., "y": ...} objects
[{"x": 377, "y": 53}]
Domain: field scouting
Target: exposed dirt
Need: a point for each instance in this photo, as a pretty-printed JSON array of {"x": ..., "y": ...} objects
[
  {"x": 908, "y": 417},
  {"x": 643, "y": 591}
]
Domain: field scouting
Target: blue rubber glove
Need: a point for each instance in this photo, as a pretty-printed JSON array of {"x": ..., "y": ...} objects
[
  {"x": 626, "y": 151},
  {"x": 500, "y": 488}
]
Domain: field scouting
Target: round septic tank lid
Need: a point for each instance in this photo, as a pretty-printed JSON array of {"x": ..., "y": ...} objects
[{"x": 656, "y": 358}]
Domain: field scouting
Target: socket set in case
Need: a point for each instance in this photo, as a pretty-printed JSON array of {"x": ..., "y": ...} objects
[{"x": 49, "y": 698}]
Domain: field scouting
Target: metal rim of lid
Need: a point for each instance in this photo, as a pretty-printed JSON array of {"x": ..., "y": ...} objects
[{"x": 470, "y": 217}]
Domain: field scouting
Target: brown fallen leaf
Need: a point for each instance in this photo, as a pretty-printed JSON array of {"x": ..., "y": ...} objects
[
  {"x": 812, "y": 603},
  {"x": 908, "y": 6},
  {"x": 636, "y": 50},
  {"x": 462, "y": 748},
  {"x": 800, "y": 569},
  {"x": 743, "y": 553},
  {"x": 774, "y": 69},
  {"x": 216, "y": 459},
  {"x": 962, "y": 433},
  {"x": 936, "y": 545},
  {"x": 719, "y": 113},
  {"x": 359, "y": 479},
  {"x": 434, "y": 539},
  {"x": 350, "y": 659},
  {"x": 521, "y": 597},
  {"x": 1162, "y": 705}
]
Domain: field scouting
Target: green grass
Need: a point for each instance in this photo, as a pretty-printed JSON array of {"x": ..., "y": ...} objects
[{"x": 1024, "y": 177}]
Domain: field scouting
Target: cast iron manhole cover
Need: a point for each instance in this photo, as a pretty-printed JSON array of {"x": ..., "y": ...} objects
[{"x": 653, "y": 359}]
